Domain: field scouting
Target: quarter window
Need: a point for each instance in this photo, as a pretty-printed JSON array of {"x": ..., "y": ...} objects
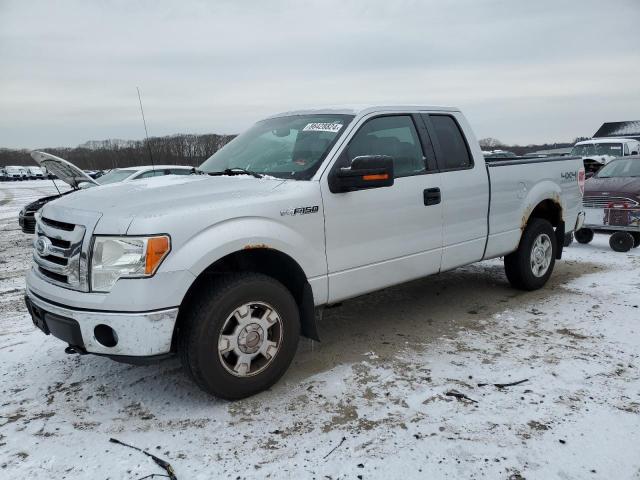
[
  {"x": 454, "y": 153},
  {"x": 394, "y": 136}
]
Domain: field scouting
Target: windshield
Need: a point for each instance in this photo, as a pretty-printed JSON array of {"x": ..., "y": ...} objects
[
  {"x": 583, "y": 150},
  {"x": 611, "y": 149},
  {"x": 620, "y": 168},
  {"x": 114, "y": 176},
  {"x": 284, "y": 147},
  {"x": 13, "y": 169}
]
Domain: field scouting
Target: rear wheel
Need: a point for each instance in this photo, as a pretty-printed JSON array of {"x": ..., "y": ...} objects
[
  {"x": 621, "y": 241},
  {"x": 584, "y": 235},
  {"x": 636, "y": 239},
  {"x": 529, "y": 267},
  {"x": 239, "y": 335}
]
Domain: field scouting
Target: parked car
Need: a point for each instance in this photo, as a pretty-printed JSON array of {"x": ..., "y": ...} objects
[
  {"x": 303, "y": 210},
  {"x": 94, "y": 173},
  {"x": 3, "y": 175},
  {"x": 14, "y": 173},
  {"x": 612, "y": 204},
  {"x": 137, "y": 173},
  {"x": 499, "y": 154},
  {"x": 78, "y": 179},
  {"x": 35, "y": 173},
  {"x": 598, "y": 152}
]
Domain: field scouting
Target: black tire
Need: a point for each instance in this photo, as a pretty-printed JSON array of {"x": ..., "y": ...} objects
[
  {"x": 636, "y": 239},
  {"x": 584, "y": 235},
  {"x": 204, "y": 318},
  {"x": 621, "y": 241},
  {"x": 518, "y": 266},
  {"x": 568, "y": 239}
]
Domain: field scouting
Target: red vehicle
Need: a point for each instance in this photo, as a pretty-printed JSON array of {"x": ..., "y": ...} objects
[{"x": 612, "y": 204}]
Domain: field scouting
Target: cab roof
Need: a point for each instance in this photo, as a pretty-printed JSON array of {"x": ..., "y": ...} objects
[
  {"x": 363, "y": 109},
  {"x": 607, "y": 140}
]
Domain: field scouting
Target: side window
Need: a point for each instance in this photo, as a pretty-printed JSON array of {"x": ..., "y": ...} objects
[
  {"x": 453, "y": 148},
  {"x": 180, "y": 171},
  {"x": 395, "y": 136}
]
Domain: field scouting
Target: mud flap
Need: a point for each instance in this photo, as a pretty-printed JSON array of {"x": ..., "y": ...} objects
[
  {"x": 308, "y": 320},
  {"x": 559, "y": 240}
]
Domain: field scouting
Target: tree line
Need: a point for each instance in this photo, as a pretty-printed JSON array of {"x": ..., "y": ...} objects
[
  {"x": 181, "y": 149},
  {"x": 495, "y": 144}
]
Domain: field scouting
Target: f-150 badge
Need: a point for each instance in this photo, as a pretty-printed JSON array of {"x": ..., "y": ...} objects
[{"x": 299, "y": 211}]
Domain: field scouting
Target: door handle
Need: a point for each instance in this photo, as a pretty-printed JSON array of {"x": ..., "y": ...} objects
[{"x": 432, "y": 196}]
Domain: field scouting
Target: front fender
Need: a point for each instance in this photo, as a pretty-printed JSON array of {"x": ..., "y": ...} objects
[{"x": 233, "y": 235}]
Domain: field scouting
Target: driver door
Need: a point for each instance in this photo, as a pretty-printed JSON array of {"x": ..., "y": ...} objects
[{"x": 383, "y": 236}]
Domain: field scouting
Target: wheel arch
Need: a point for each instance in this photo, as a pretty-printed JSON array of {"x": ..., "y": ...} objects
[
  {"x": 268, "y": 261},
  {"x": 550, "y": 209}
]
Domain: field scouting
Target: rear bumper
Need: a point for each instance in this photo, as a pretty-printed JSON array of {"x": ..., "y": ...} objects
[{"x": 136, "y": 334}]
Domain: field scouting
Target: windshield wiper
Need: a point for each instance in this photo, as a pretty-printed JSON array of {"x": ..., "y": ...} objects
[{"x": 236, "y": 171}]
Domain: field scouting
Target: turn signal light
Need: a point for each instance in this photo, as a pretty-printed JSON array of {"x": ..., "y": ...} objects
[
  {"x": 377, "y": 176},
  {"x": 157, "y": 249}
]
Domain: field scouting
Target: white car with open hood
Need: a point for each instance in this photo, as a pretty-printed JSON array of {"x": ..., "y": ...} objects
[
  {"x": 304, "y": 209},
  {"x": 78, "y": 179}
]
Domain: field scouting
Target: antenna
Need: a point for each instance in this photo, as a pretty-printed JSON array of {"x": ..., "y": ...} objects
[{"x": 145, "y": 129}]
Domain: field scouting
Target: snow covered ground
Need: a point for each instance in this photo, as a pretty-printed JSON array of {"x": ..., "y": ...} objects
[{"x": 370, "y": 401}]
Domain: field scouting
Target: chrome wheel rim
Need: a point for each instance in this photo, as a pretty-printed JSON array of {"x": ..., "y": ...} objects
[
  {"x": 541, "y": 254},
  {"x": 250, "y": 339}
]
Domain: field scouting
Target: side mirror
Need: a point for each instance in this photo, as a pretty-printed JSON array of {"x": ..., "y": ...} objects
[{"x": 367, "y": 171}]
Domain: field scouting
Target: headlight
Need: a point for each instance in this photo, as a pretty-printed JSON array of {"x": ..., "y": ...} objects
[{"x": 125, "y": 257}]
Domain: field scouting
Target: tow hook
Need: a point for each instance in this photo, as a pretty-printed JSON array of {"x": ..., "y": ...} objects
[{"x": 70, "y": 350}]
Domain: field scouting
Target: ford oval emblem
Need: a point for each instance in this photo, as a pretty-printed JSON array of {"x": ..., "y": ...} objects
[{"x": 43, "y": 246}]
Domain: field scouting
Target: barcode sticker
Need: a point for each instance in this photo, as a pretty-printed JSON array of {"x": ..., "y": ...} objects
[{"x": 322, "y": 127}]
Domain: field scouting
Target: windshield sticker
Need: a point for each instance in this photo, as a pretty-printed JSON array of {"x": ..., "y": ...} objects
[{"x": 323, "y": 127}]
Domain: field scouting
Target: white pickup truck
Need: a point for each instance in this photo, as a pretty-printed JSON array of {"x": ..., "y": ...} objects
[{"x": 305, "y": 209}]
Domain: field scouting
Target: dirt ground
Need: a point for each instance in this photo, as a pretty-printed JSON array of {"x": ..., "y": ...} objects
[{"x": 394, "y": 390}]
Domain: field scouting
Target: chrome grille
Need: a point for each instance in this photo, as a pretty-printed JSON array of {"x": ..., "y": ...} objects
[
  {"x": 58, "y": 252},
  {"x": 603, "y": 201}
]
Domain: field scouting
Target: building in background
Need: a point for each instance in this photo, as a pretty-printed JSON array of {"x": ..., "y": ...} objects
[{"x": 628, "y": 129}]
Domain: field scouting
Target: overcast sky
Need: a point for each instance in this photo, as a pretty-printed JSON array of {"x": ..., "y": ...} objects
[{"x": 522, "y": 71}]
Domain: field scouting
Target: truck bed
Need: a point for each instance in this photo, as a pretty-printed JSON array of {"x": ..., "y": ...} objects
[{"x": 518, "y": 185}]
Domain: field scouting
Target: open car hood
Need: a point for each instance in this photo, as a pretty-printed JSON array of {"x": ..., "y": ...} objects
[{"x": 65, "y": 171}]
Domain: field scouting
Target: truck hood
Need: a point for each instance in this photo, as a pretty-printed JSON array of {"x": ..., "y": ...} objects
[
  {"x": 613, "y": 186},
  {"x": 120, "y": 203},
  {"x": 65, "y": 171}
]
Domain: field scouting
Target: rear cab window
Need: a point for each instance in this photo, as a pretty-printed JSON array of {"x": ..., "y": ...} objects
[{"x": 452, "y": 150}]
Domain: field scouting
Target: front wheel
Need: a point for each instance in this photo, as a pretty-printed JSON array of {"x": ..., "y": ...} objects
[
  {"x": 636, "y": 239},
  {"x": 531, "y": 265},
  {"x": 239, "y": 335}
]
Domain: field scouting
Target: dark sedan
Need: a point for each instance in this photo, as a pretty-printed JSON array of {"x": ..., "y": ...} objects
[{"x": 612, "y": 203}]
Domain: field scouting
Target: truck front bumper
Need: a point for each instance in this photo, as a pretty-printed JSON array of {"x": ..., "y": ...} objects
[{"x": 114, "y": 334}]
